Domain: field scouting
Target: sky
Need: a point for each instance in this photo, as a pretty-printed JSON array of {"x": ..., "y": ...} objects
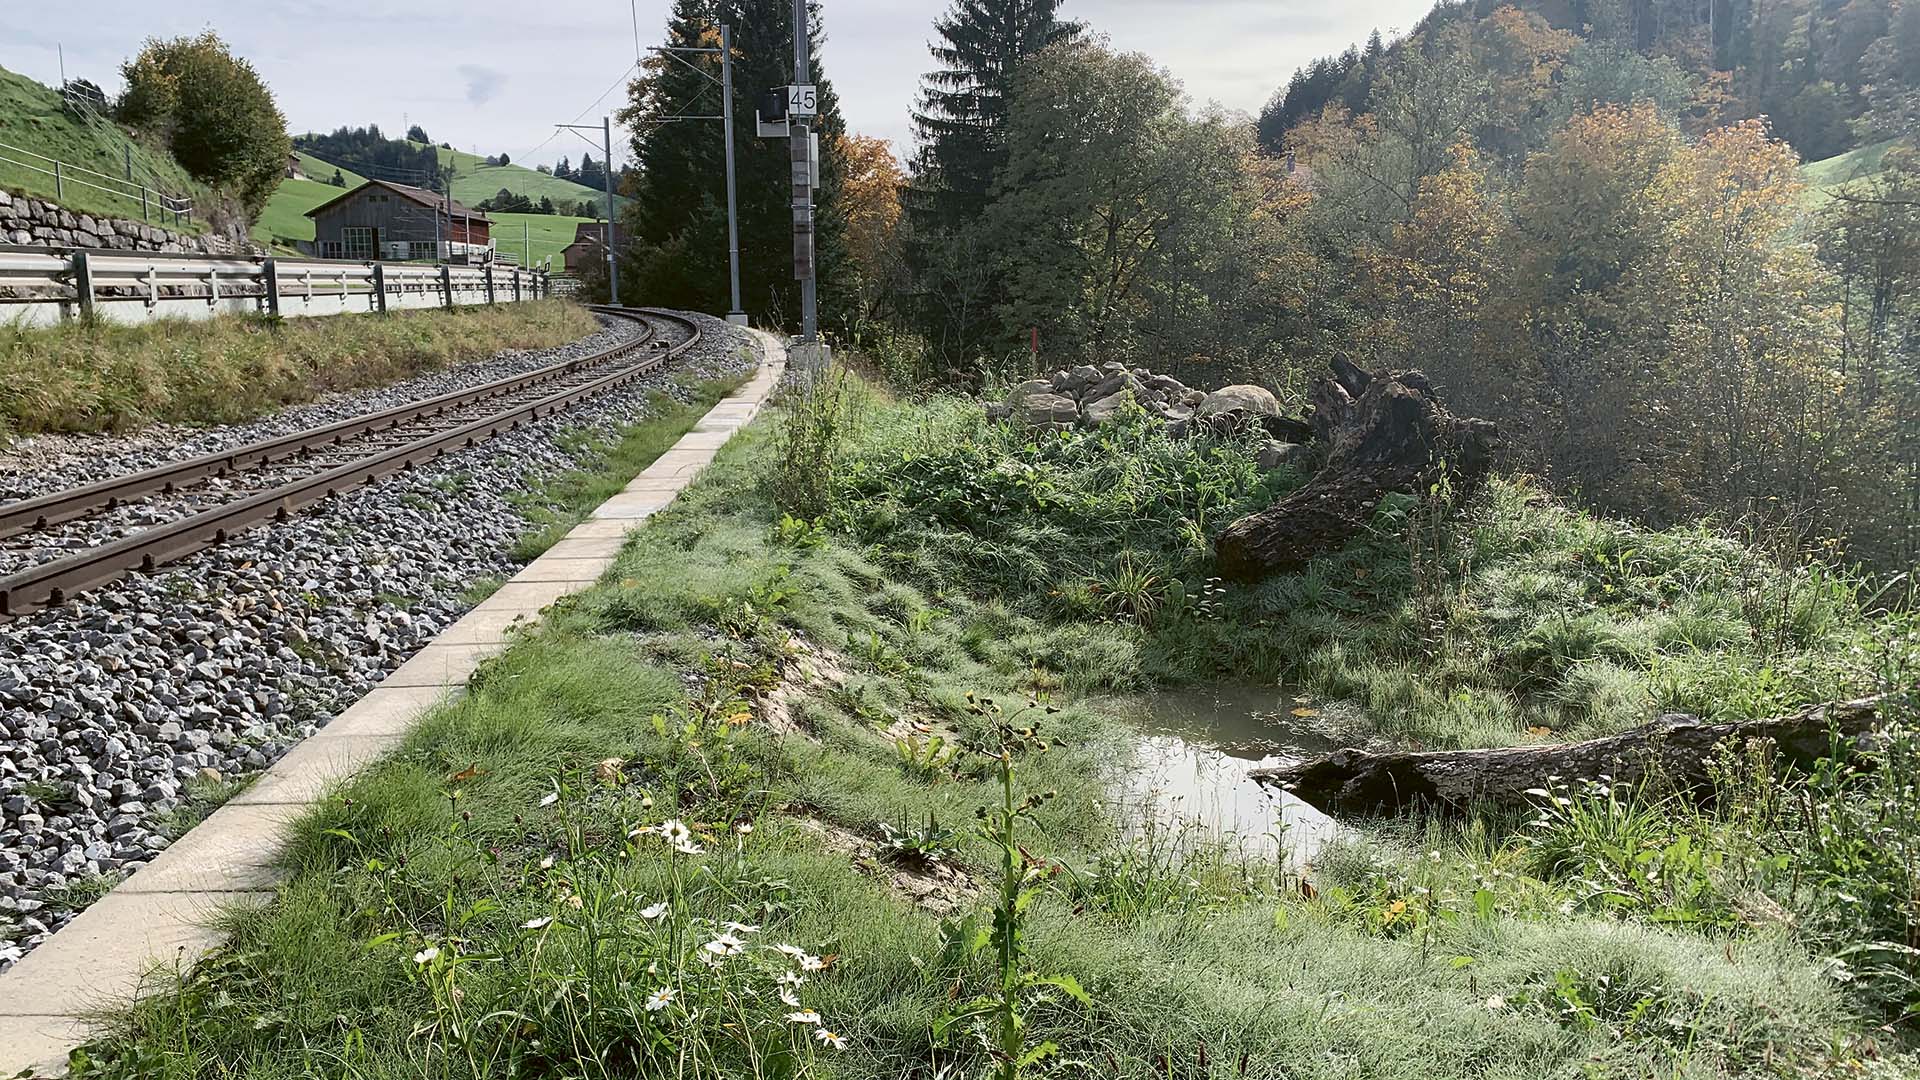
[{"x": 493, "y": 76}]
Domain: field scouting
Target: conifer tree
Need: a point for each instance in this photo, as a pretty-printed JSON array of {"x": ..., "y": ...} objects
[{"x": 962, "y": 116}]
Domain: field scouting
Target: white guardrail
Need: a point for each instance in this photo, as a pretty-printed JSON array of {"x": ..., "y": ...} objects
[{"x": 39, "y": 286}]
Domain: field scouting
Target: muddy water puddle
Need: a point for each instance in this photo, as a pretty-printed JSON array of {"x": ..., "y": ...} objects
[{"x": 1196, "y": 747}]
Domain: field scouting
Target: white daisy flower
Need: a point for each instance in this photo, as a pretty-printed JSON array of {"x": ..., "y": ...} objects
[
  {"x": 828, "y": 1038},
  {"x": 794, "y": 951},
  {"x": 810, "y": 962},
  {"x": 688, "y": 847},
  {"x": 1496, "y": 1003},
  {"x": 739, "y": 928},
  {"x": 745, "y": 828},
  {"x": 675, "y": 831},
  {"x": 725, "y": 945},
  {"x": 546, "y": 863},
  {"x": 804, "y": 1016},
  {"x": 791, "y": 978},
  {"x": 788, "y": 998},
  {"x": 660, "y": 999},
  {"x": 536, "y": 924},
  {"x": 654, "y": 911},
  {"x": 426, "y": 955}
]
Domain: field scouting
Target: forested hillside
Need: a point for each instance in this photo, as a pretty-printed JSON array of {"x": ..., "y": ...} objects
[
  {"x": 1828, "y": 76},
  {"x": 1601, "y": 238}
]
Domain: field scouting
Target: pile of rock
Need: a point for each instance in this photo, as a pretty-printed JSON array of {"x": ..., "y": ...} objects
[{"x": 1088, "y": 396}]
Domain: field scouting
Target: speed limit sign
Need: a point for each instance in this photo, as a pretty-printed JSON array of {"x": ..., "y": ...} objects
[{"x": 802, "y": 100}]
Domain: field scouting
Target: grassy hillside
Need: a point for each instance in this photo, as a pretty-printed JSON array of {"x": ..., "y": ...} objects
[
  {"x": 33, "y": 119},
  {"x": 1852, "y": 165},
  {"x": 546, "y": 234},
  {"x": 284, "y": 219},
  {"x": 323, "y": 170},
  {"x": 474, "y": 180}
]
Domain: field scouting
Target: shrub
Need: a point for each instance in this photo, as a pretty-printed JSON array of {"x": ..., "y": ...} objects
[{"x": 211, "y": 109}]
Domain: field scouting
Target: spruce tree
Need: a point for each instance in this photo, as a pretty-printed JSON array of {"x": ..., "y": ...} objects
[
  {"x": 962, "y": 116},
  {"x": 678, "y": 215}
]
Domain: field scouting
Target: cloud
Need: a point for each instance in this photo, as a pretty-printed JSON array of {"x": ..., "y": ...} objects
[{"x": 483, "y": 83}]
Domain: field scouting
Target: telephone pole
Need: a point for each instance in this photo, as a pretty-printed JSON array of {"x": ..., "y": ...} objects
[
  {"x": 613, "y": 268},
  {"x": 606, "y": 137},
  {"x": 735, "y": 314},
  {"x": 800, "y": 135}
]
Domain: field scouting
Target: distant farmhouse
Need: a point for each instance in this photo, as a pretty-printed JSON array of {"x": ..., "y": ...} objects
[
  {"x": 589, "y": 245},
  {"x": 384, "y": 220}
]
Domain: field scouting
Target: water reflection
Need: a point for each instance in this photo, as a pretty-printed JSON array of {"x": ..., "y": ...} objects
[{"x": 1190, "y": 767}]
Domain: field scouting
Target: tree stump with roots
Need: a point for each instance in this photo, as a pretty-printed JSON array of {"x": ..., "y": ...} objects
[{"x": 1381, "y": 432}]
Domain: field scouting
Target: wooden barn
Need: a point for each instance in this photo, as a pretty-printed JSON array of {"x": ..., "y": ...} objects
[
  {"x": 384, "y": 220},
  {"x": 589, "y": 245}
]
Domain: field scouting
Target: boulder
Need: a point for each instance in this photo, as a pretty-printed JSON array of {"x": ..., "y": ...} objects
[
  {"x": 1165, "y": 384},
  {"x": 1273, "y": 454},
  {"x": 1110, "y": 384},
  {"x": 1252, "y": 400},
  {"x": 1034, "y": 403},
  {"x": 1102, "y": 410}
]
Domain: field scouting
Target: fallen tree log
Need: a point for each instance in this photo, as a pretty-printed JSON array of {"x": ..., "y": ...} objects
[
  {"x": 1676, "y": 748},
  {"x": 1380, "y": 433}
]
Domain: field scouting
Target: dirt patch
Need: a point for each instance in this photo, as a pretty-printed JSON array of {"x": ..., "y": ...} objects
[
  {"x": 807, "y": 669},
  {"x": 938, "y": 888}
]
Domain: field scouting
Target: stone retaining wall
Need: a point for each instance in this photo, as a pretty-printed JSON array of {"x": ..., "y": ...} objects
[{"x": 41, "y": 223}]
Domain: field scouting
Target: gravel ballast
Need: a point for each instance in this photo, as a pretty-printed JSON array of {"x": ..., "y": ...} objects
[{"x": 114, "y": 705}]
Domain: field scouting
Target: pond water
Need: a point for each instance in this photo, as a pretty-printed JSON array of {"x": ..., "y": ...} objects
[{"x": 1189, "y": 775}]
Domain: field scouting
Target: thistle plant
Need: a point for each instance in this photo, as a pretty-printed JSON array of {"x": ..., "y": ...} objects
[{"x": 1002, "y": 1008}]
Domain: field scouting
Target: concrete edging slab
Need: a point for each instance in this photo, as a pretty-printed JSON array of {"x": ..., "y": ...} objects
[{"x": 159, "y": 918}]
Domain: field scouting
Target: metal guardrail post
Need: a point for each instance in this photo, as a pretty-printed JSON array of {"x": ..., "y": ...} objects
[
  {"x": 59, "y": 183},
  {"x": 446, "y": 284},
  {"x": 271, "y": 270},
  {"x": 146, "y": 213},
  {"x": 83, "y": 283},
  {"x": 516, "y": 284},
  {"x": 380, "y": 287},
  {"x": 488, "y": 268}
]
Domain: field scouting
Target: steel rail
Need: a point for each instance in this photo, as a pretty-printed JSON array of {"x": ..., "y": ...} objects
[
  {"x": 59, "y": 506},
  {"x": 55, "y": 582}
]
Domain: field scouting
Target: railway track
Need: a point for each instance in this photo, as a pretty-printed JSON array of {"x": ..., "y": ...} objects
[{"x": 199, "y": 502}]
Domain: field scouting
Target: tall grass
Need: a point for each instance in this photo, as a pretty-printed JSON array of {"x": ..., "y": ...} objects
[{"x": 95, "y": 376}]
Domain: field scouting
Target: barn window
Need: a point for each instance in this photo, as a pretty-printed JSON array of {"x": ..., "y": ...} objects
[{"x": 356, "y": 242}]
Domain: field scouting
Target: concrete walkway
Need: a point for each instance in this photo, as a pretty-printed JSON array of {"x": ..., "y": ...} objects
[{"x": 157, "y": 918}]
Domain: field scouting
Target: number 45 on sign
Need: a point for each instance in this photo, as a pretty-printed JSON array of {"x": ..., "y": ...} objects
[{"x": 801, "y": 100}]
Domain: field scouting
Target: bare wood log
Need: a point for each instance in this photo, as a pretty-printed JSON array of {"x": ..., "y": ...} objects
[
  {"x": 1381, "y": 433},
  {"x": 1676, "y": 747}
]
